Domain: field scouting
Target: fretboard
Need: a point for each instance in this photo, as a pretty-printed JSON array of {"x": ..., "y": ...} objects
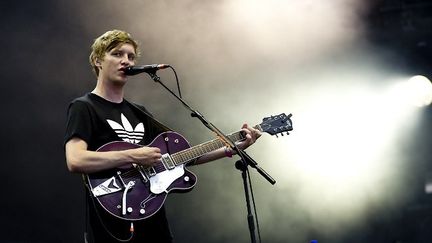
[{"x": 197, "y": 151}]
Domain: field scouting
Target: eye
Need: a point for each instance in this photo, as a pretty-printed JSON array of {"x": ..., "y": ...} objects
[
  {"x": 116, "y": 54},
  {"x": 131, "y": 57}
]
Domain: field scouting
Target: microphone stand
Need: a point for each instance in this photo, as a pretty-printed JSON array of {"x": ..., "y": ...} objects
[{"x": 241, "y": 164}]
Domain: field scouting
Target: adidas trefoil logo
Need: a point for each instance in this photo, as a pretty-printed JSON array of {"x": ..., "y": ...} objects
[{"x": 126, "y": 132}]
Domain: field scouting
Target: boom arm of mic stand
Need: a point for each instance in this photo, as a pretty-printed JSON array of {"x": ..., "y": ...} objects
[
  {"x": 255, "y": 165},
  {"x": 194, "y": 113},
  {"x": 245, "y": 157}
]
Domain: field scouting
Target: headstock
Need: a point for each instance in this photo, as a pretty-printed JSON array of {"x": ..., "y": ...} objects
[{"x": 274, "y": 125}]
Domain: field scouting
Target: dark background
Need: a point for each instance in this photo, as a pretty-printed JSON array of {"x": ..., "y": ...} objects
[{"x": 43, "y": 202}]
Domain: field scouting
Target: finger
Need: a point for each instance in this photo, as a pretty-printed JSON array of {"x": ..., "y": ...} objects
[
  {"x": 157, "y": 156},
  {"x": 155, "y": 149},
  {"x": 257, "y": 134},
  {"x": 247, "y": 131},
  {"x": 251, "y": 130}
]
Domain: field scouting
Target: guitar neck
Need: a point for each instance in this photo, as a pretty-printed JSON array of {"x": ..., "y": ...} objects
[{"x": 197, "y": 151}]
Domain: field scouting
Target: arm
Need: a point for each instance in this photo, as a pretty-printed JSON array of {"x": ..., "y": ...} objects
[
  {"x": 81, "y": 160},
  {"x": 252, "y": 135}
]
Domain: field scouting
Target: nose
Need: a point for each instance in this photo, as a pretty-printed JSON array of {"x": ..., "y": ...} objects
[{"x": 126, "y": 61}]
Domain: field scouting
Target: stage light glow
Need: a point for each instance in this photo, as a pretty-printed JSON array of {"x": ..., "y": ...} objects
[
  {"x": 416, "y": 91},
  {"x": 420, "y": 90},
  {"x": 346, "y": 147}
]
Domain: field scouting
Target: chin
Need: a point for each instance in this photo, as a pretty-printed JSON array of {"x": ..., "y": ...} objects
[{"x": 122, "y": 81}]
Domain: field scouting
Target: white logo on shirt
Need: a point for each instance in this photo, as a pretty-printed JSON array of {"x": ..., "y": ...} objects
[{"x": 126, "y": 132}]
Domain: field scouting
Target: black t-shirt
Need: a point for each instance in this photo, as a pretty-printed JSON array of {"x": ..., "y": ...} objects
[{"x": 98, "y": 121}]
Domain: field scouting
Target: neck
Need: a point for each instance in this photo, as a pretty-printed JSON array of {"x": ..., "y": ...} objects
[{"x": 109, "y": 91}]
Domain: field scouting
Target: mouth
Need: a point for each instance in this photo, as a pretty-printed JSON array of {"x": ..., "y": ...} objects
[{"x": 122, "y": 70}]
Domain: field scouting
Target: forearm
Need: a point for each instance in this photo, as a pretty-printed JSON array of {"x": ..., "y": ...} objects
[
  {"x": 228, "y": 152},
  {"x": 85, "y": 161},
  {"x": 81, "y": 160},
  {"x": 214, "y": 155}
]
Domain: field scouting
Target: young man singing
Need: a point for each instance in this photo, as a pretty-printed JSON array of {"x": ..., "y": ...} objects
[{"x": 103, "y": 116}]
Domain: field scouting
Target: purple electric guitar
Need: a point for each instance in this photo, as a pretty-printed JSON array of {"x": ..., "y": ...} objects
[{"x": 135, "y": 193}]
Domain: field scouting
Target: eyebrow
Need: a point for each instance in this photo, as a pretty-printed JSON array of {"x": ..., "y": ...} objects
[
  {"x": 123, "y": 51},
  {"x": 119, "y": 49}
]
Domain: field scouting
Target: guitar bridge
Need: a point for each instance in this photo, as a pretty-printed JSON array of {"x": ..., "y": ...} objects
[{"x": 143, "y": 174}]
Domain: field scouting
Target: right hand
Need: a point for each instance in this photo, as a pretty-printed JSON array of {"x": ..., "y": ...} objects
[{"x": 146, "y": 156}]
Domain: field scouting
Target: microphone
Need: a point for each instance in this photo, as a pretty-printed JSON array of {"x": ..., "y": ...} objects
[{"x": 134, "y": 70}]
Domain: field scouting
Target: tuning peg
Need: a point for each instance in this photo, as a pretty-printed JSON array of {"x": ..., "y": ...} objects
[
  {"x": 282, "y": 134},
  {"x": 276, "y": 135}
]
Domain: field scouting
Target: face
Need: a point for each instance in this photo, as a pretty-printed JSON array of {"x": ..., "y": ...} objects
[{"x": 111, "y": 68}]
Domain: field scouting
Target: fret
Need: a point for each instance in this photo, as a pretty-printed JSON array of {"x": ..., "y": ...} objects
[
  {"x": 175, "y": 160},
  {"x": 212, "y": 146},
  {"x": 193, "y": 153},
  {"x": 201, "y": 149},
  {"x": 182, "y": 156},
  {"x": 189, "y": 155}
]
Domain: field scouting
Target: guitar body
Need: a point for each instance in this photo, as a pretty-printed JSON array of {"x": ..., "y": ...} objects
[{"x": 148, "y": 189}]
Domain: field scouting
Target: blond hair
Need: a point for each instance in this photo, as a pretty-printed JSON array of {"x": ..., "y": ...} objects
[{"x": 108, "y": 41}]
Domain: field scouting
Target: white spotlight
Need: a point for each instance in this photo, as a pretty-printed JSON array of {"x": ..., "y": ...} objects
[
  {"x": 415, "y": 91},
  {"x": 419, "y": 89}
]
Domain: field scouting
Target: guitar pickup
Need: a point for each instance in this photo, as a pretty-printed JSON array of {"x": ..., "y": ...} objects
[
  {"x": 150, "y": 172},
  {"x": 168, "y": 162}
]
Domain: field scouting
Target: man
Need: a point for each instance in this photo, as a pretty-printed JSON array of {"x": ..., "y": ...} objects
[{"x": 103, "y": 116}]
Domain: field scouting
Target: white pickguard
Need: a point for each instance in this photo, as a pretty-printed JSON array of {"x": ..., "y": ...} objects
[{"x": 161, "y": 181}]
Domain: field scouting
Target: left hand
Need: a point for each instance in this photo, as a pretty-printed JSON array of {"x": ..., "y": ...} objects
[{"x": 252, "y": 135}]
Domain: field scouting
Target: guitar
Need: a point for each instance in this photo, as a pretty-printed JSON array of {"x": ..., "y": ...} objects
[{"x": 133, "y": 192}]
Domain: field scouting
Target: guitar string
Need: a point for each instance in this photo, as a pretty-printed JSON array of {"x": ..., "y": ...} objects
[
  {"x": 183, "y": 156},
  {"x": 187, "y": 154},
  {"x": 193, "y": 153}
]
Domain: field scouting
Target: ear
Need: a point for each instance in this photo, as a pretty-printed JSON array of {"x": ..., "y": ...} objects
[{"x": 97, "y": 62}]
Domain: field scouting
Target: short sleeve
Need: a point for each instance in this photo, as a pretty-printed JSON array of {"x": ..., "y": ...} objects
[{"x": 78, "y": 122}]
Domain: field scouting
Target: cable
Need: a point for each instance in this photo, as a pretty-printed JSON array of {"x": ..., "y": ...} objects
[
  {"x": 131, "y": 229},
  {"x": 86, "y": 218},
  {"x": 177, "y": 81}
]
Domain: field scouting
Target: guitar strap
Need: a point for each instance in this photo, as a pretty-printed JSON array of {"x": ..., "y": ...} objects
[{"x": 154, "y": 120}]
